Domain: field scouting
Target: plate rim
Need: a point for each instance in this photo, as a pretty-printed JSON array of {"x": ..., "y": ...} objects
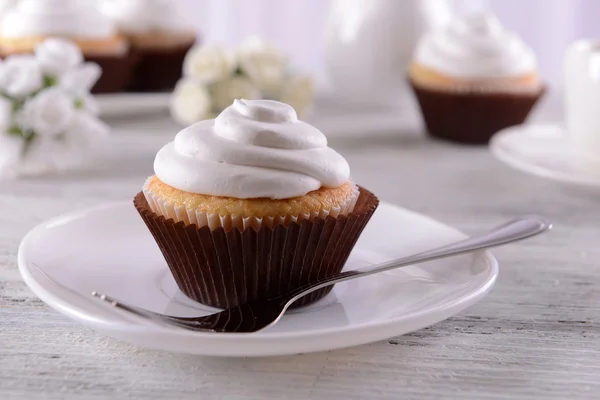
[
  {"x": 78, "y": 314},
  {"x": 497, "y": 149}
]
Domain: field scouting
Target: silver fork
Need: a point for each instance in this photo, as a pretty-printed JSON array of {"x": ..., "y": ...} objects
[{"x": 259, "y": 314}]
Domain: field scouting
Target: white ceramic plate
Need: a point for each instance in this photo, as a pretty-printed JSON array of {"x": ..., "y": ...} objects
[
  {"x": 545, "y": 150},
  {"x": 109, "y": 249},
  {"x": 128, "y": 104}
]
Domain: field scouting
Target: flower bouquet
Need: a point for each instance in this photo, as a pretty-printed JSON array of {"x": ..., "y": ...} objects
[
  {"x": 213, "y": 78},
  {"x": 48, "y": 119}
]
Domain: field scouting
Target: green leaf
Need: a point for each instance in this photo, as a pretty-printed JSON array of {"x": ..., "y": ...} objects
[
  {"x": 15, "y": 130},
  {"x": 50, "y": 81},
  {"x": 17, "y": 105},
  {"x": 28, "y": 139}
]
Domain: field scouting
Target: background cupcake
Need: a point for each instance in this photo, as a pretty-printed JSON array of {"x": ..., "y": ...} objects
[
  {"x": 252, "y": 204},
  {"x": 30, "y": 22},
  {"x": 473, "y": 78},
  {"x": 159, "y": 33}
]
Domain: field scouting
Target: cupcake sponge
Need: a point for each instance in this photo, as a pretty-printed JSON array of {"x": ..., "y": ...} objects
[{"x": 229, "y": 212}]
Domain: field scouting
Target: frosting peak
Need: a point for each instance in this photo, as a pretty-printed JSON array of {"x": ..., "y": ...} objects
[
  {"x": 267, "y": 123},
  {"x": 476, "y": 46},
  {"x": 265, "y": 111},
  {"x": 480, "y": 23},
  {"x": 72, "y": 18},
  {"x": 144, "y": 16},
  {"x": 254, "y": 148}
]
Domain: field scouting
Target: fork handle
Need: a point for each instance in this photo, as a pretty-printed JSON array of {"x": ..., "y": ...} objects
[{"x": 518, "y": 229}]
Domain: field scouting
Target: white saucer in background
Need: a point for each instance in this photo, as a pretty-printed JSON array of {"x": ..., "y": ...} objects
[
  {"x": 334, "y": 120},
  {"x": 132, "y": 104},
  {"x": 545, "y": 150},
  {"x": 109, "y": 249}
]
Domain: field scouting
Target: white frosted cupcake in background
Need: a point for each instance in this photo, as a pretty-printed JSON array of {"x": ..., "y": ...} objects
[
  {"x": 473, "y": 78},
  {"x": 26, "y": 25},
  {"x": 161, "y": 35}
]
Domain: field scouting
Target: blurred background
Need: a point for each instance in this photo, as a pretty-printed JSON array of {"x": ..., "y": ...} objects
[{"x": 298, "y": 25}]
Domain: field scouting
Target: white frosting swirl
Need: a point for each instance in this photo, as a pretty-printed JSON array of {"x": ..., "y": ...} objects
[
  {"x": 143, "y": 16},
  {"x": 475, "y": 46},
  {"x": 69, "y": 18},
  {"x": 253, "y": 149}
]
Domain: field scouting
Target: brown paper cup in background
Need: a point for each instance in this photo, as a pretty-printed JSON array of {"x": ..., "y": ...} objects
[
  {"x": 225, "y": 268},
  {"x": 472, "y": 117},
  {"x": 158, "y": 70},
  {"x": 116, "y": 72}
]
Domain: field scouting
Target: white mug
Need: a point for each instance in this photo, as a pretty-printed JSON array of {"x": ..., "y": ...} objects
[{"x": 582, "y": 96}]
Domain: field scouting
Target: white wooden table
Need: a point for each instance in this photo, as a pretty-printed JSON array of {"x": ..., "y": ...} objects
[{"x": 537, "y": 336}]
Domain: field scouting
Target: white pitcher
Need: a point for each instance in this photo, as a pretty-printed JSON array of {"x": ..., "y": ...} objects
[
  {"x": 369, "y": 44},
  {"x": 582, "y": 96}
]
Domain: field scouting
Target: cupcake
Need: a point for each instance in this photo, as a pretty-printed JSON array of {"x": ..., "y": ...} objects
[
  {"x": 252, "y": 204},
  {"x": 159, "y": 33},
  {"x": 30, "y": 22},
  {"x": 473, "y": 78}
]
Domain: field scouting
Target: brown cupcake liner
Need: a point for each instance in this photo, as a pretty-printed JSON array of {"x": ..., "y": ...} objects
[
  {"x": 117, "y": 71},
  {"x": 223, "y": 268},
  {"x": 158, "y": 69},
  {"x": 473, "y": 117}
]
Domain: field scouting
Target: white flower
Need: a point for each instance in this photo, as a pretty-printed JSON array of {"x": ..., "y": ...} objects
[
  {"x": 263, "y": 63},
  {"x": 88, "y": 103},
  {"x": 43, "y": 154},
  {"x": 85, "y": 131},
  {"x": 85, "y": 134},
  {"x": 223, "y": 93},
  {"x": 81, "y": 79},
  {"x": 20, "y": 76},
  {"x": 190, "y": 102},
  {"x": 208, "y": 64},
  {"x": 11, "y": 151},
  {"x": 48, "y": 113},
  {"x": 6, "y": 108},
  {"x": 57, "y": 56},
  {"x": 298, "y": 92}
]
